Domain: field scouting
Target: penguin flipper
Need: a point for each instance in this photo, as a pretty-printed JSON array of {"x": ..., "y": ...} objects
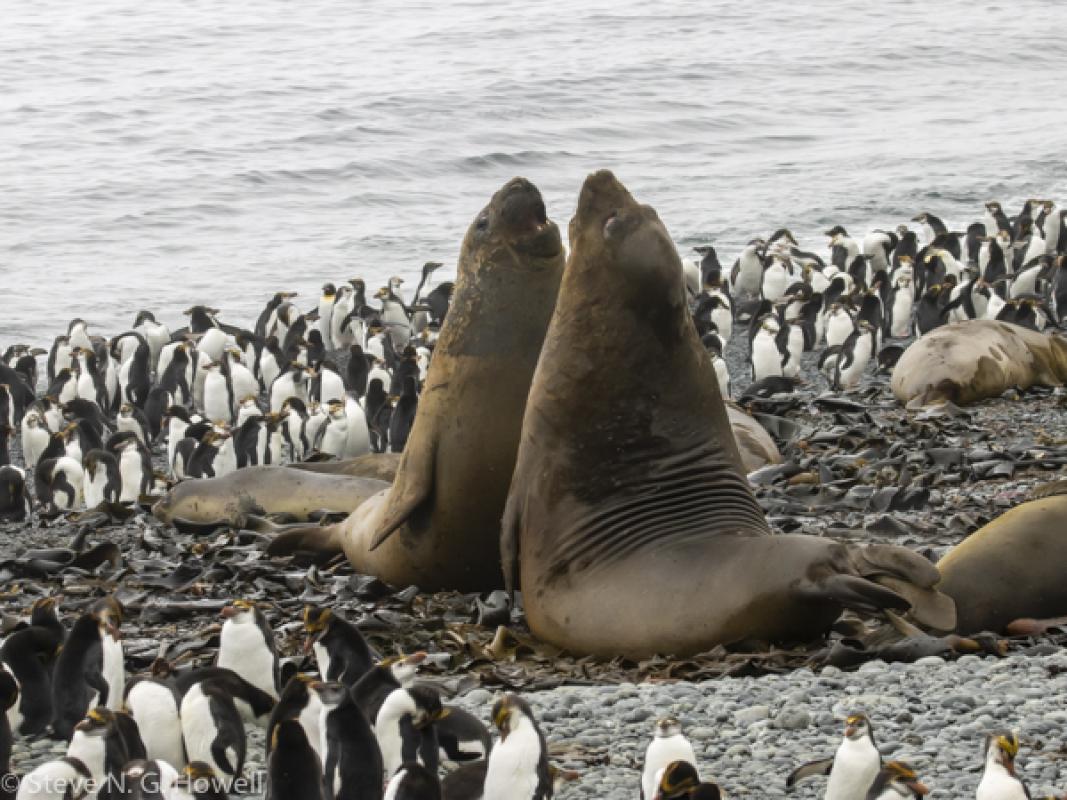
[
  {"x": 412, "y": 487},
  {"x": 95, "y": 680},
  {"x": 821, "y": 767}
]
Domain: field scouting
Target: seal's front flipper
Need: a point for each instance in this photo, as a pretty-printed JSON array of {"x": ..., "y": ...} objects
[
  {"x": 822, "y": 767},
  {"x": 858, "y": 594},
  {"x": 413, "y": 486}
]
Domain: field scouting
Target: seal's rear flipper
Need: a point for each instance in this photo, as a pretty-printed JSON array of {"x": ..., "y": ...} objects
[
  {"x": 316, "y": 539},
  {"x": 853, "y": 592},
  {"x": 899, "y": 562},
  {"x": 413, "y": 486}
]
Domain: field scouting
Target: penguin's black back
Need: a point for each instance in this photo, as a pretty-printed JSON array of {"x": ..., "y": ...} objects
[{"x": 293, "y": 770}]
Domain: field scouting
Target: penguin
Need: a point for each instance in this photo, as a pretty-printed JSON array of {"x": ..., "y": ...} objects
[
  {"x": 83, "y": 766},
  {"x": 878, "y": 246},
  {"x": 218, "y": 394},
  {"x": 290, "y": 383},
  {"x": 253, "y": 704},
  {"x": 352, "y": 761},
  {"x": 839, "y": 324},
  {"x": 404, "y": 727},
  {"x": 293, "y": 767},
  {"x": 853, "y": 767},
  {"x": 929, "y": 311},
  {"x": 394, "y": 316},
  {"x": 1050, "y": 224},
  {"x": 270, "y": 363},
  {"x": 15, "y": 503},
  {"x": 213, "y": 457},
  {"x": 713, "y": 344},
  {"x": 335, "y": 433},
  {"x": 999, "y": 781},
  {"x": 767, "y": 356},
  {"x": 102, "y": 482},
  {"x": 341, "y": 335},
  {"x": 29, "y": 654},
  {"x": 294, "y": 416},
  {"x": 146, "y": 779},
  {"x": 358, "y": 440},
  {"x": 176, "y": 421},
  {"x": 58, "y": 483},
  {"x": 113, "y": 664},
  {"x": 35, "y": 435},
  {"x": 855, "y": 355},
  {"x": 9, "y": 698},
  {"x": 155, "y": 408},
  {"x": 897, "y": 781},
  {"x": 901, "y": 302},
  {"x": 341, "y": 652},
  {"x": 327, "y": 383},
  {"x": 518, "y": 764},
  {"x": 198, "y": 781},
  {"x": 212, "y": 729},
  {"x": 711, "y": 273},
  {"x": 326, "y": 303},
  {"x": 370, "y": 691},
  {"x": 746, "y": 277},
  {"x": 679, "y": 780},
  {"x": 668, "y": 744},
  {"x": 378, "y": 410},
  {"x": 413, "y": 782},
  {"x": 357, "y": 370},
  {"x": 177, "y": 376},
  {"x": 403, "y": 417},
  {"x": 131, "y": 419},
  {"x": 135, "y": 469},
  {"x": 250, "y": 440},
  {"x": 246, "y": 646},
  {"x": 78, "y": 682},
  {"x": 714, "y": 310},
  {"x": 59, "y": 357},
  {"x": 777, "y": 278},
  {"x": 65, "y": 385},
  {"x": 154, "y": 703},
  {"x": 298, "y": 703},
  {"x": 439, "y": 301}
]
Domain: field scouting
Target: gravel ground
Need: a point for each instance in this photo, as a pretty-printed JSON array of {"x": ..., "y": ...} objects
[{"x": 880, "y": 474}]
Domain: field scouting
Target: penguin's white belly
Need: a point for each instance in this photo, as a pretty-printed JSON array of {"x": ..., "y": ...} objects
[
  {"x": 199, "y": 731},
  {"x": 997, "y": 784},
  {"x": 242, "y": 649},
  {"x": 766, "y": 360},
  {"x": 114, "y": 671},
  {"x": 855, "y": 768},
  {"x": 130, "y": 470},
  {"x": 838, "y": 328},
  {"x": 662, "y": 750},
  {"x": 902, "y": 303},
  {"x": 512, "y": 770},
  {"x": 154, "y": 708}
]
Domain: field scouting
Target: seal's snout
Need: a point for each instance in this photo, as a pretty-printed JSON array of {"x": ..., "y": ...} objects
[
  {"x": 523, "y": 208},
  {"x": 601, "y": 197}
]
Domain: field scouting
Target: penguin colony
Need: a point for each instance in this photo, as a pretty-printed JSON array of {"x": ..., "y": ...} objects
[
  {"x": 362, "y": 727},
  {"x": 223, "y": 397}
]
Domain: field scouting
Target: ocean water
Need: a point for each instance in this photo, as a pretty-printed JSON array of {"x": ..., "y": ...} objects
[{"x": 158, "y": 153}]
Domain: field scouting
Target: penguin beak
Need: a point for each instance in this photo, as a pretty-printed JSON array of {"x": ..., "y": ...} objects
[{"x": 918, "y": 788}]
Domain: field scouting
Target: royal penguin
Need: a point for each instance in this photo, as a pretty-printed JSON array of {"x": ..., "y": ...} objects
[
  {"x": 35, "y": 436},
  {"x": 413, "y": 782},
  {"x": 402, "y": 419},
  {"x": 335, "y": 432},
  {"x": 855, "y": 355},
  {"x": 405, "y": 728},
  {"x": 326, "y": 306},
  {"x": 154, "y": 702},
  {"x": 378, "y": 683},
  {"x": 897, "y": 781},
  {"x": 82, "y": 768},
  {"x": 78, "y": 680},
  {"x": 746, "y": 277},
  {"x": 518, "y": 763},
  {"x": 135, "y": 467},
  {"x": 58, "y": 483},
  {"x": 9, "y": 697},
  {"x": 298, "y": 702},
  {"x": 102, "y": 481},
  {"x": 293, "y": 766},
  {"x": 668, "y": 744},
  {"x": 901, "y": 301},
  {"x": 177, "y": 371},
  {"x": 212, "y": 729},
  {"x": 246, "y": 646},
  {"x": 853, "y": 767},
  {"x": 290, "y": 383},
  {"x": 131, "y": 419},
  {"x": 999, "y": 781},
  {"x": 149, "y": 779},
  {"x": 341, "y": 652},
  {"x": 29, "y": 655},
  {"x": 768, "y": 354},
  {"x": 351, "y": 757},
  {"x": 218, "y": 402}
]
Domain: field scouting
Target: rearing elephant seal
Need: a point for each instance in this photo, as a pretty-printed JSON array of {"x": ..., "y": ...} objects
[
  {"x": 969, "y": 361},
  {"x": 439, "y": 524},
  {"x": 629, "y": 522}
]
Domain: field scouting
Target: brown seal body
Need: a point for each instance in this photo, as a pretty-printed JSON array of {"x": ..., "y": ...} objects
[
  {"x": 754, "y": 445},
  {"x": 380, "y": 466},
  {"x": 1011, "y": 568},
  {"x": 438, "y": 526},
  {"x": 970, "y": 361},
  {"x": 264, "y": 490},
  {"x": 629, "y": 523}
]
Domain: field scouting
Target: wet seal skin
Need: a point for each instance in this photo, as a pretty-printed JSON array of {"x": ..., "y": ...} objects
[
  {"x": 438, "y": 526},
  {"x": 965, "y": 362},
  {"x": 630, "y": 526}
]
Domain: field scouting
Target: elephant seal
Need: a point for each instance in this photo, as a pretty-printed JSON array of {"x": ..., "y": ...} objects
[
  {"x": 754, "y": 445},
  {"x": 263, "y": 490},
  {"x": 1011, "y": 568},
  {"x": 969, "y": 361},
  {"x": 438, "y": 527},
  {"x": 380, "y": 466},
  {"x": 630, "y": 525}
]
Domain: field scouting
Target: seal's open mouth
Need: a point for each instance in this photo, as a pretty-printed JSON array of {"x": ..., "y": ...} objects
[{"x": 523, "y": 212}]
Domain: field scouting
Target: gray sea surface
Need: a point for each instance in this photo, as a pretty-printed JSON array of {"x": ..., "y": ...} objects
[{"x": 156, "y": 153}]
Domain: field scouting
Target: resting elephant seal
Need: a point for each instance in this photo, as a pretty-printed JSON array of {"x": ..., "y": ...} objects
[
  {"x": 969, "y": 361},
  {"x": 263, "y": 490},
  {"x": 1011, "y": 568},
  {"x": 438, "y": 527},
  {"x": 629, "y": 523}
]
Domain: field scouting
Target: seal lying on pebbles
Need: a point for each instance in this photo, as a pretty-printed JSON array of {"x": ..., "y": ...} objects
[
  {"x": 438, "y": 526},
  {"x": 629, "y": 523},
  {"x": 970, "y": 361},
  {"x": 264, "y": 490},
  {"x": 1011, "y": 568}
]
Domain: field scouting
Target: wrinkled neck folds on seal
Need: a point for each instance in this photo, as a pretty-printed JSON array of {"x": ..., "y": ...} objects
[{"x": 651, "y": 438}]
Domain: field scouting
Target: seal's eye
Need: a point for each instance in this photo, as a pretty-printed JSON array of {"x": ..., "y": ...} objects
[{"x": 482, "y": 223}]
